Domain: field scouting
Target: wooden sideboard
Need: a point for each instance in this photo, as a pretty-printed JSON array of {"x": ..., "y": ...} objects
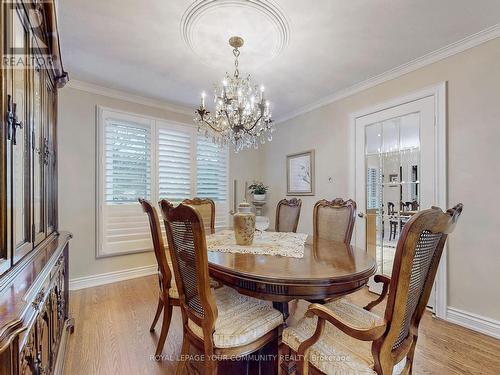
[
  {"x": 34, "y": 318},
  {"x": 34, "y": 312}
]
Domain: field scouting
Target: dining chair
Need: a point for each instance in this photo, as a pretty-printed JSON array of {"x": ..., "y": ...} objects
[
  {"x": 168, "y": 295},
  {"x": 393, "y": 222},
  {"x": 217, "y": 322},
  {"x": 287, "y": 215},
  {"x": 413, "y": 205},
  {"x": 206, "y": 208},
  {"x": 334, "y": 220},
  {"x": 358, "y": 341}
]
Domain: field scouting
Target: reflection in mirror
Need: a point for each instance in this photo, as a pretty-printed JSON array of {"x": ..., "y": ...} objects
[{"x": 392, "y": 159}]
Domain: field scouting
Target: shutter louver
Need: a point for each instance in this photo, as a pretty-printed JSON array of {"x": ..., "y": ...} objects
[
  {"x": 128, "y": 162},
  {"x": 127, "y": 176},
  {"x": 212, "y": 178},
  {"x": 174, "y": 164},
  {"x": 141, "y": 157}
]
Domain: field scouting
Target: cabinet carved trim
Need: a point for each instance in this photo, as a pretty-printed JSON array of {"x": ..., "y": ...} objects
[{"x": 35, "y": 327}]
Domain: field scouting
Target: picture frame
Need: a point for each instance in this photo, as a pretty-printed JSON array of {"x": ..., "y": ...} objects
[
  {"x": 394, "y": 179},
  {"x": 300, "y": 177}
]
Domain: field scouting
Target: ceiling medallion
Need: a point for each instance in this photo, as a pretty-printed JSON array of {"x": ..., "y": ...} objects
[
  {"x": 212, "y": 20},
  {"x": 242, "y": 116}
]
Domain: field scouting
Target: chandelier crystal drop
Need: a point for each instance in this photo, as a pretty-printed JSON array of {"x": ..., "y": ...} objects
[{"x": 242, "y": 116}]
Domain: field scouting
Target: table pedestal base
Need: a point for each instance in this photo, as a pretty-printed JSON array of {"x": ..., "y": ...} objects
[{"x": 282, "y": 307}]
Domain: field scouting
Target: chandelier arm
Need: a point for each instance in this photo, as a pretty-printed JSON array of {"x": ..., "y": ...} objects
[
  {"x": 211, "y": 126},
  {"x": 248, "y": 130},
  {"x": 227, "y": 117}
]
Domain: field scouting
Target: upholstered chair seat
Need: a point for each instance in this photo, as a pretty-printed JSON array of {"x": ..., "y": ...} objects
[
  {"x": 173, "y": 292},
  {"x": 335, "y": 352},
  {"x": 241, "y": 319}
]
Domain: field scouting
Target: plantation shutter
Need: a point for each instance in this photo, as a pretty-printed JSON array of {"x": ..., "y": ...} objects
[
  {"x": 212, "y": 178},
  {"x": 174, "y": 164},
  {"x": 126, "y": 177},
  {"x": 140, "y": 157}
]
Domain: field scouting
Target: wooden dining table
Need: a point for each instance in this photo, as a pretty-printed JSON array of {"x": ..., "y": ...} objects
[{"x": 328, "y": 269}]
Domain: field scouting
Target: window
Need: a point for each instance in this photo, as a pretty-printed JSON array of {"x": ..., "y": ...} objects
[
  {"x": 125, "y": 173},
  {"x": 373, "y": 189},
  {"x": 144, "y": 157},
  {"x": 127, "y": 161},
  {"x": 212, "y": 178},
  {"x": 174, "y": 164}
]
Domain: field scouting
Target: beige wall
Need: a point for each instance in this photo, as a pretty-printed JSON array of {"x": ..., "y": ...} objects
[
  {"x": 245, "y": 166},
  {"x": 77, "y": 177},
  {"x": 473, "y": 163},
  {"x": 473, "y": 155}
]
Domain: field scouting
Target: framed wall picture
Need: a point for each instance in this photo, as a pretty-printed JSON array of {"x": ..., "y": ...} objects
[
  {"x": 300, "y": 173},
  {"x": 393, "y": 179}
]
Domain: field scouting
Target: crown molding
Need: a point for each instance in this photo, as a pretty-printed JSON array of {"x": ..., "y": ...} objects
[
  {"x": 123, "y": 95},
  {"x": 430, "y": 58}
]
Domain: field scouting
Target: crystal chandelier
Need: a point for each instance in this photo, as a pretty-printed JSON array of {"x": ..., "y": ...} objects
[{"x": 242, "y": 116}]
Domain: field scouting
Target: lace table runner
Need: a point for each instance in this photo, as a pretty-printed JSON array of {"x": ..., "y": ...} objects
[{"x": 267, "y": 243}]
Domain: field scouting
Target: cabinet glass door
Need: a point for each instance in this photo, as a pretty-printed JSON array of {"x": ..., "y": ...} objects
[
  {"x": 20, "y": 148},
  {"x": 50, "y": 160},
  {"x": 38, "y": 155}
]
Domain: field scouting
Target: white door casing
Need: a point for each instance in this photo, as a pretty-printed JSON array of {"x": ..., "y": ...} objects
[{"x": 431, "y": 104}]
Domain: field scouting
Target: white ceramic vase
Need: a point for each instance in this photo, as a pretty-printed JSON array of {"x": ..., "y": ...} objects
[{"x": 259, "y": 197}]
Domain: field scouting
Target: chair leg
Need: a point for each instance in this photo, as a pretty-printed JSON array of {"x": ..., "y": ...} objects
[
  {"x": 287, "y": 365},
  {"x": 410, "y": 355},
  {"x": 167, "y": 316},
  {"x": 210, "y": 366},
  {"x": 157, "y": 315},
  {"x": 184, "y": 353}
]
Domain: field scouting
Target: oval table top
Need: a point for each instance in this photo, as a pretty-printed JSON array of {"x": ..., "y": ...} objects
[{"x": 328, "y": 269}]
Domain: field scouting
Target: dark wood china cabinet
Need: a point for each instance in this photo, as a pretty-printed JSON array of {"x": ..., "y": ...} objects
[{"x": 34, "y": 318}]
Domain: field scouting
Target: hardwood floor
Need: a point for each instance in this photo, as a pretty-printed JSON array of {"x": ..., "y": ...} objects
[{"x": 112, "y": 335}]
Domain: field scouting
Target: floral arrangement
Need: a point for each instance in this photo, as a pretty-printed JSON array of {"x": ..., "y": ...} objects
[{"x": 258, "y": 188}]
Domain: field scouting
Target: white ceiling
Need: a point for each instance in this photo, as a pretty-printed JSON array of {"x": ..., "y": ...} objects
[{"x": 302, "y": 50}]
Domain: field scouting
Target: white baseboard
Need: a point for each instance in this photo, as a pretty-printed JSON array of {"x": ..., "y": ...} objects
[
  {"x": 478, "y": 323},
  {"x": 111, "y": 277}
]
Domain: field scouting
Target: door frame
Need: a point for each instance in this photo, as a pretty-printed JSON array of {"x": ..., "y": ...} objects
[{"x": 438, "y": 91}]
